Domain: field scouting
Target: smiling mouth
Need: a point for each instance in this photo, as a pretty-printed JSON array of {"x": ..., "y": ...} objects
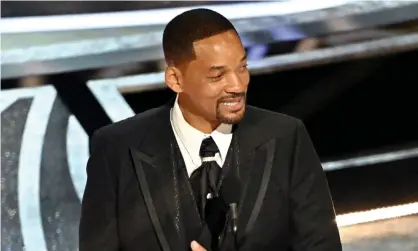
[
  {"x": 230, "y": 103},
  {"x": 233, "y": 105}
]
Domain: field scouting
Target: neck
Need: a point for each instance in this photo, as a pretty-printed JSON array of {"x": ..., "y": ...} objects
[{"x": 196, "y": 121}]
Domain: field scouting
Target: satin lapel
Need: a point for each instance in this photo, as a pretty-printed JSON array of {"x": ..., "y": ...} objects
[
  {"x": 154, "y": 170},
  {"x": 259, "y": 179},
  {"x": 255, "y": 159},
  {"x": 156, "y": 190}
]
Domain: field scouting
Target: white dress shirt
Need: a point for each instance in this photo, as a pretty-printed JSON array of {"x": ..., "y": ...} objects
[{"x": 189, "y": 139}]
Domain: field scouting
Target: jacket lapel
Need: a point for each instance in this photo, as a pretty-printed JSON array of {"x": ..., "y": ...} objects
[
  {"x": 255, "y": 157},
  {"x": 155, "y": 172}
]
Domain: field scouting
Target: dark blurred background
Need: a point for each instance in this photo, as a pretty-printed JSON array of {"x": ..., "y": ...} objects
[{"x": 348, "y": 69}]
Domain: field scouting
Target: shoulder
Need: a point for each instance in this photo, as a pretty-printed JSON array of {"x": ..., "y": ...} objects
[
  {"x": 273, "y": 124},
  {"x": 131, "y": 129}
]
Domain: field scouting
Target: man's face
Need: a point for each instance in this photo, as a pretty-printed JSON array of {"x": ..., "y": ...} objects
[{"x": 216, "y": 82}]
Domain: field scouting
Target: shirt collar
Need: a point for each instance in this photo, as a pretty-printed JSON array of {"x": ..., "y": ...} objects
[{"x": 192, "y": 138}]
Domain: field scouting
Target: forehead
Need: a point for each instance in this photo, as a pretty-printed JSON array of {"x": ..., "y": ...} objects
[{"x": 219, "y": 49}]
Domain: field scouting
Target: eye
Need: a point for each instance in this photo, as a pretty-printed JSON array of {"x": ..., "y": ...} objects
[
  {"x": 243, "y": 68},
  {"x": 216, "y": 78}
]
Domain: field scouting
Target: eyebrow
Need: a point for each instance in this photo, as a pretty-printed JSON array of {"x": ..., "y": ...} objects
[
  {"x": 222, "y": 67},
  {"x": 244, "y": 57},
  {"x": 217, "y": 68}
]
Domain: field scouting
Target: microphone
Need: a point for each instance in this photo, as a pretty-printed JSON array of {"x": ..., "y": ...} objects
[
  {"x": 231, "y": 194},
  {"x": 234, "y": 216},
  {"x": 233, "y": 211}
]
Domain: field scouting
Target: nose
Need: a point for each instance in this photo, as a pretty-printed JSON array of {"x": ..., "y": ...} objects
[{"x": 235, "y": 84}]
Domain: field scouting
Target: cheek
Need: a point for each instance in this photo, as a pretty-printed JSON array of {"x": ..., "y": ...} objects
[
  {"x": 201, "y": 91},
  {"x": 214, "y": 90},
  {"x": 209, "y": 97},
  {"x": 245, "y": 78},
  {"x": 203, "y": 95}
]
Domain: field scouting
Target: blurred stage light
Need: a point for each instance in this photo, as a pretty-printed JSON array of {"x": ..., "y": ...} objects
[
  {"x": 257, "y": 52},
  {"x": 371, "y": 159},
  {"x": 377, "y": 214},
  {"x": 287, "y": 33},
  {"x": 158, "y": 16}
]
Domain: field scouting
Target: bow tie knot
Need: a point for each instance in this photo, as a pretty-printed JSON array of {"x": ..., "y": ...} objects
[{"x": 208, "y": 148}]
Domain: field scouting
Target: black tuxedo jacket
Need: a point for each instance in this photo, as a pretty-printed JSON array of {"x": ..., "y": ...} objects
[{"x": 285, "y": 203}]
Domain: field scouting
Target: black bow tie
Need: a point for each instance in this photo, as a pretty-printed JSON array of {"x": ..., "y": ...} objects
[
  {"x": 205, "y": 178},
  {"x": 205, "y": 184}
]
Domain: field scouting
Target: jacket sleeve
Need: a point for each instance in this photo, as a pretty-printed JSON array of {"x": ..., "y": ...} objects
[
  {"x": 313, "y": 225},
  {"x": 98, "y": 222}
]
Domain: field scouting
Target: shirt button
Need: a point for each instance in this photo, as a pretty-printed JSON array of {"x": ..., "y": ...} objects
[{"x": 209, "y": 196}]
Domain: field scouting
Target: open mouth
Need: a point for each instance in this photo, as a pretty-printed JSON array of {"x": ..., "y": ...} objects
[{"x": 234, "y": 104}]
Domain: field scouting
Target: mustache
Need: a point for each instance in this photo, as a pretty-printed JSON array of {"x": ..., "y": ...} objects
[{"x": 232, "y": 96}]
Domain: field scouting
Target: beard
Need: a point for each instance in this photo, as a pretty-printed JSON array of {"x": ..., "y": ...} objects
[
  {"x": 231, "y": 119},
  {"x": 234, "y": 117}
]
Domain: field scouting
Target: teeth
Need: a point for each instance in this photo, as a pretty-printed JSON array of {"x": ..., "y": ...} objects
[{"x": 230, "y": 104}]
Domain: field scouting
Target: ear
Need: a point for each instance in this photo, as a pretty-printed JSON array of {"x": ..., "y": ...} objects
[{"x": 173, "y": 79}]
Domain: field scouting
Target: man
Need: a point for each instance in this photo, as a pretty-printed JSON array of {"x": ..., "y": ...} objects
[{"x": 206, "y": 172}]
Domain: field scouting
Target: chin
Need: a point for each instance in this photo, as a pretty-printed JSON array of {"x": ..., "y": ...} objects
[{"x": 231, "y": 118}]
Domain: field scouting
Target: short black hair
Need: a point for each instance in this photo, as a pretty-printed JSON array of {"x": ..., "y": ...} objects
[{"x": 190, "y": 26}]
